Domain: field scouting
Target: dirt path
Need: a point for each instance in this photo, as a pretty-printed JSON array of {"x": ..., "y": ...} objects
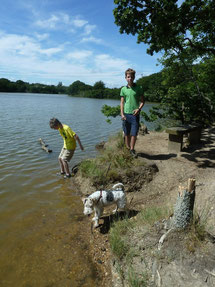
[{"x": 197, "y": 161}]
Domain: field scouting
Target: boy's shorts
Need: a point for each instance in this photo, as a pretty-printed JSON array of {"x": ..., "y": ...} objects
[
  {"x": 66, "y": 154},
  {"x": 131, "y": 125}
]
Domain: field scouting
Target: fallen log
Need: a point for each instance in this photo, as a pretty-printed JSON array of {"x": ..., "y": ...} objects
[{"x": 44, "y": 146}]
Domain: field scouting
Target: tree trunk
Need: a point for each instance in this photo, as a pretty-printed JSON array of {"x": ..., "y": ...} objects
[{"x": 183, "y": 211}]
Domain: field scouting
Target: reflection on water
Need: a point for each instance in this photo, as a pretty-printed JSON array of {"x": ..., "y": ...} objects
[{"x": 42, "y": 240}]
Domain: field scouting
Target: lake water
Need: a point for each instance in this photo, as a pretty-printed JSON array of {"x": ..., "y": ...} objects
[{"x": 41, "y": 243}]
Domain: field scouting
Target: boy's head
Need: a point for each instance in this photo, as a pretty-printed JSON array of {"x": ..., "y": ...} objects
[
  {"x": 130, "y": 76},
  {"x": 54, "y": 123},
  {"x": 131, "y": 72}
]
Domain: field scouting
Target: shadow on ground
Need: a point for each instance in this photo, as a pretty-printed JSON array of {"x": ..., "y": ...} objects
[
  {"x": 110, "y": 219},
  {"x": 204, "y": 153},
  {"x": 157, "y": 156}
]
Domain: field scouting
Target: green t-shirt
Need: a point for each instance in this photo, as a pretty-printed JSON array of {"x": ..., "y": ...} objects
[
  {"x": 131, "y": 98},
  {"x": 68, "y": 137}
]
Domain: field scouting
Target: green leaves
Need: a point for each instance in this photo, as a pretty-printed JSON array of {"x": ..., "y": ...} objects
[
  {"x": 109, "y": 111},
  {"x": 165, "y": 25}
]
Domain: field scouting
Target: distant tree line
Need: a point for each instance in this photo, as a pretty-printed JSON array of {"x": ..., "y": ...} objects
[
  {"x": 151, "y": 86},
  {"x": 24, "y": 87}
]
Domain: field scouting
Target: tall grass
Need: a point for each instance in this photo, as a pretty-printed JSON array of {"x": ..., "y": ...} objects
[{"x": 108, "y": 165}]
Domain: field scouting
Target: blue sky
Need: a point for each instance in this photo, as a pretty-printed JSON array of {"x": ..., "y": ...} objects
[{"x": 52, "y": 41}]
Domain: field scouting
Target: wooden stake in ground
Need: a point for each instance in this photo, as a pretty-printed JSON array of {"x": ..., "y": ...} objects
[
  {"x": 183, "y": 212},
  {"x": 44, "y": 146}
]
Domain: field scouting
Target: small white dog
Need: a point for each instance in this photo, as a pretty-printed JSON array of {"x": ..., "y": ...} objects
[{"x": 97, "y": 200}]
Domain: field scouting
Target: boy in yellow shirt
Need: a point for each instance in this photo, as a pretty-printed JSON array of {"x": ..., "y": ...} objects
[{"x": 69, "y": 138}]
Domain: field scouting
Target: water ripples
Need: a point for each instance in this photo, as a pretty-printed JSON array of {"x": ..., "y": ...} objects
[{"x": 37, "y": 205}]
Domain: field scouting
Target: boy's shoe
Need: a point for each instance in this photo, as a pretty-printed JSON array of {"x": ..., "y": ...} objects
[
  {"x": 133, "y": 153},
  {"x": 67, "y": 175},
  {"x": 60, "y": 173}
]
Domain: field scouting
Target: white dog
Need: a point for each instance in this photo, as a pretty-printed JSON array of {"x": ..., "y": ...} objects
[{"x": 97, "y": 200}]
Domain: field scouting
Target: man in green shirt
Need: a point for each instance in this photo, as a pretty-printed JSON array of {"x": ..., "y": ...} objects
[{"x": 132, "y": 101}]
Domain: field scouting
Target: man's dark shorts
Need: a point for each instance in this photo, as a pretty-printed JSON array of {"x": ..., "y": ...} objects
[{"x": 131, "y": 125}]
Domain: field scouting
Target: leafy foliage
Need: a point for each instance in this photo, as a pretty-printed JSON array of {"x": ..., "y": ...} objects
[
  {"x": 165, "y": 25},
  {"x": 186, "y": 35},
  {"x": 190, "y": 90}
]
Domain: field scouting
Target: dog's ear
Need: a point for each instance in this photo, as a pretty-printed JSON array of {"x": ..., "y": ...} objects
[{"x": 83, "y": 199}]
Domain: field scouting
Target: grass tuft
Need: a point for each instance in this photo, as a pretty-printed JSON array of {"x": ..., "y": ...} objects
[
  {"x": 151, "y": 214},
  {"x": 135, "y": 280},
  {"x": 108, "y": 165},
  {"x": 118, "y": 230}
]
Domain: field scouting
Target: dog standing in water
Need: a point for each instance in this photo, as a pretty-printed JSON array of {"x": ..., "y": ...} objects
[{"x": 99, "y": 199}]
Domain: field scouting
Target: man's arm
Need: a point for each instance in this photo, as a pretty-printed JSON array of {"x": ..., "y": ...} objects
[{"x": 79, "y": 142}]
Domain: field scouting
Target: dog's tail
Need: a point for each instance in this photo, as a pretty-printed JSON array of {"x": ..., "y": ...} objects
[{"x": 118, "y": 186}]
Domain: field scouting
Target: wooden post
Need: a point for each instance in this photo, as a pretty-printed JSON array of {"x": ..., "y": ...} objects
[{"x": 183, "y": 212}]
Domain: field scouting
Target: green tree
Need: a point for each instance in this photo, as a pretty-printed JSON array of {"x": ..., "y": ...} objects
[
  {"x": 152, "y": 87},
  {"x": 165, "y": 25},
  {"x": 21, "y": 86},
  {"x": 77, "y": 87},
  {"x": 99, "y": 85},
  {"x": 186, "y": 35},
  {"x": 5, "y": 85}
]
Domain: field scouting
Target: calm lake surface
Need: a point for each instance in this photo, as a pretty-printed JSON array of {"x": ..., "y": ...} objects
[{"x": 40, "y": 212}]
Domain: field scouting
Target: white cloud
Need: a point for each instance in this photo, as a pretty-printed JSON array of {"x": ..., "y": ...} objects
[
  {"x": 49, "y": 23},
  {"x": 79, "y": 23},
  {"x": 15, "y": 45},
  {"x": 42, "y": 37},
  {"x": 106, "y": 62},
  {"x": 89, "y": 28},
  {"x": 28, "y": 59},
  {"x": 80, "y": 55},
  {"x": 91, "y": 39},
  {"x": 62, "y": 21},
  {"x": 54, "y": 22},
  {"x": 51, "y": 51}
]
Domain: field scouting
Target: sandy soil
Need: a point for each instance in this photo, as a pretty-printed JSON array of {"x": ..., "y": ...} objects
[
  {"x": 173, "y": 170},
  {"x": 196, "y": 161}
]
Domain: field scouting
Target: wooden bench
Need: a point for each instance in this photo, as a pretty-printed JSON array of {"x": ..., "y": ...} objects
[{"x": 176, "y": 136}]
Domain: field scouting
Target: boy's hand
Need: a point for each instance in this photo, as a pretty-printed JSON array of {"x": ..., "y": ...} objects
[
  {"x": 136, "y": 112},
  {"x": 123, "y": 117}
]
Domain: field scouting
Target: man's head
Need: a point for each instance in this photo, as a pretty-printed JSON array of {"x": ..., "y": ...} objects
[
  {"x": 130, "y": 76},
  {"x": 54, "y": 124}
]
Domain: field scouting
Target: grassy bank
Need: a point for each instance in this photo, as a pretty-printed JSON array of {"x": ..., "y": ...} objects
[{"x": 113, "y": 164}]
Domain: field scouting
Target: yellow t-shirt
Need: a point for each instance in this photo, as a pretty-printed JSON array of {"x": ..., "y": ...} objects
[{"x": 68, "y": 137}]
